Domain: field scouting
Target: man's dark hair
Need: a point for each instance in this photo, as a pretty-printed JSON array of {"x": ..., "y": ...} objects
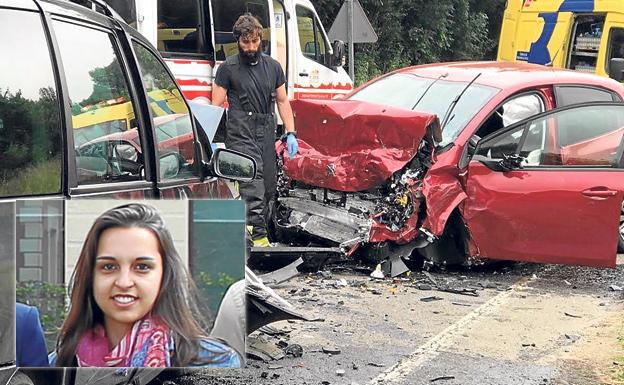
[{"x": 247, "y": 25}]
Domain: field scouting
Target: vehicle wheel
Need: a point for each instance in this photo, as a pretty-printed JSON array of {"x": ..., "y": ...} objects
[
  {"x": 450, "y": 248},
  {"x": 20, "y": 378},
  {"x": 621, "y": 235}
]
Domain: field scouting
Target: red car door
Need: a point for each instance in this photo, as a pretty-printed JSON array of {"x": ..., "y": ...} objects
[{"x": 557, "y": 196}]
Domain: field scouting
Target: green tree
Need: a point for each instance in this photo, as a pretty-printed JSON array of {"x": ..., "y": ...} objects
[{"x": 422, "y": 31}]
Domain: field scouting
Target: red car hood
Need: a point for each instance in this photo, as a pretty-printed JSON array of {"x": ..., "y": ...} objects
[{"x": 353, "y": 146}]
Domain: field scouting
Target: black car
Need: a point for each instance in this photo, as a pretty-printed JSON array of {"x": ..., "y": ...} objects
[{"x": 71, "y": 75}]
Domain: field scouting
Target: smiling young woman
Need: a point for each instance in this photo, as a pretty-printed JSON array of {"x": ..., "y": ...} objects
[{"x": 133, "y": 301}]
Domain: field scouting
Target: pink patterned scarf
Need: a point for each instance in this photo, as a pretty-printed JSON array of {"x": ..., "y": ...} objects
[{"x": 148, "y": 344}]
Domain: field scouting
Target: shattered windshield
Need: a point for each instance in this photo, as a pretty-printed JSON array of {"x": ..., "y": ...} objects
[{"x": 429, "y": 95}]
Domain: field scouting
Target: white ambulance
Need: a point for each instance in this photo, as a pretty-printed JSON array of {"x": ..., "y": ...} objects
[{"x": 195, "y": 36}]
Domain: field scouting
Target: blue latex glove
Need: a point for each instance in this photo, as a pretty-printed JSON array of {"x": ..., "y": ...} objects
[{"x": 291, "y": 143}]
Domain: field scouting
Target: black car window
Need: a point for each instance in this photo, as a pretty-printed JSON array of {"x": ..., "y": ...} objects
[
  {"x": 103, "y": 113},
  {"x": 30, "y": 130},
  {"x": 167, "y": 107},
  {"x": 568, "y": 95}
]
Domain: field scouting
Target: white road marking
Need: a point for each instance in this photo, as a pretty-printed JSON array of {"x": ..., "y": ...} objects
[{"x": 444, "y": 339}]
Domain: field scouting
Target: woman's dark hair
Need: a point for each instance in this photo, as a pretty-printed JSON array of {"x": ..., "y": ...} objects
[
  {"x": 176, "y": 303},
  {"x": 247, "y": 25}
]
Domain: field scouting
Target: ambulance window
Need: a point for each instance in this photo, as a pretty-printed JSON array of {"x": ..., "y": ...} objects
[
  {"x": 106, "y": 138},
  {"x": 616, "y": 50},
  {"x": 30, "y": 130},
  {"x": 226, "y": 12},
  {"x": 180, "y": 27},
  {"x": 311, "y": 39},
  {"x": 171, "y": 118},
  {"x": 126, "y": 9}
]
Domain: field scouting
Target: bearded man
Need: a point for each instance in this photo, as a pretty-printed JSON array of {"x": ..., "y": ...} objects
[{"x": 253, "y": 82}]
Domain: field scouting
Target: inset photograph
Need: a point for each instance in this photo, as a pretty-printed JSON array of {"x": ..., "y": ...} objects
[{"x": 132, "y": 283}]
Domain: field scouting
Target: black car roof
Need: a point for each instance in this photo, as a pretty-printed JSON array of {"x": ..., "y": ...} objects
[{"x": 78, "y": 12}]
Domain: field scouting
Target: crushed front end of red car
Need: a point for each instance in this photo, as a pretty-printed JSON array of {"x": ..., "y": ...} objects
[{"x": 357, "y": 179}]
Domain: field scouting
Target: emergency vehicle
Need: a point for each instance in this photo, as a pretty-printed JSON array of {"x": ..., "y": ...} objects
[
  {"x": 195, "y": 36},
  {"x": 583, "y": 35}
]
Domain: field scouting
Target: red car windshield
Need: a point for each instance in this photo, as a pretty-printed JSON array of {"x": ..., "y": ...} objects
[{"x": 433, "y": 96}]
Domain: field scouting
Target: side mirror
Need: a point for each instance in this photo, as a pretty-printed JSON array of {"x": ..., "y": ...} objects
[
  {"x": 509, "y": 163},
  {"x": 512, "y": 162},
  {"x": 472, "y": 144},
  {"x": 616, "y": 69},
  {"x": 233, "y": 165},
  {"x": 337, "y": 59},
  {"x": 169, "y": 166}
]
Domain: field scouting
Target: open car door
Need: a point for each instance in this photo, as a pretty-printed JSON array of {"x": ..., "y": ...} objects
[{"x": 550, "y": 188}]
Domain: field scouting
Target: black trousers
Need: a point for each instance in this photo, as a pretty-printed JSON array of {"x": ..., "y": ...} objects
[{"x": 254, "y": 134}]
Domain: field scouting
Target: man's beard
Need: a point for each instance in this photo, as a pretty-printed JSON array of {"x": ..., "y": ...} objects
[{"x": 250, "y": 57}]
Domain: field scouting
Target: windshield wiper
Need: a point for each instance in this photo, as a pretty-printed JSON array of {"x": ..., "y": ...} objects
[
  {"x": 451, "y": 107},
  {"x": 428, "y": 87}
]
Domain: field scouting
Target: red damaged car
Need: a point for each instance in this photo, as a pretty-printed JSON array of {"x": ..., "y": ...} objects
[{"x": 461, "y": 161}]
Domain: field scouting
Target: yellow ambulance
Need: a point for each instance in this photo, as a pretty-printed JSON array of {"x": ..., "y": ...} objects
[{"x": 583, "y": 35}]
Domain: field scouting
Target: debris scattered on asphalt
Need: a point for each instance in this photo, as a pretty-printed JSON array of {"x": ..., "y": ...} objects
[
  {"x": 375, "y": 291},
  {"x": 572, "y": 315},
  {"x": 430, "y": 299},
  {"x": 377, "y": 273},
  {"x": 265, "y": 351},
  {"x": 340, "y": 372},
  {"x": 423, "y": 286},
  {"x": 341, "y": 283},
  {"x": 354, "y": 366},
  {"x": 528, "y": 345},
  {"x": 430, "y": 278},
  {"x": 442, "y": 378},
  {"x": 573, "y": 338},
  {"x": 294, "y": 350},
  {"x": 275, "y": 367},
  {"x": 615, "y": 288},
  {"x": 272, "y": 331},
  {"x": 375, "y": 364},
  {"x": 331, "y": 350},
  {"x": 461, "y": 304},
  {"x": 461, "y": 290}
]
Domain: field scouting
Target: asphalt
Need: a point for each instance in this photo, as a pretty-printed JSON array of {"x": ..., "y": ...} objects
[{"x": 527, "y": 324}]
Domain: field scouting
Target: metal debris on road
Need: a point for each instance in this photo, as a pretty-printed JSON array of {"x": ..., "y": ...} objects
[
  {"x": 331, "y": 350},
  {"x": 377, "y": 273},
  {"x": 461, "y": 304},
  {"x": 442, "y": 378},
  {"x": 528, "y": 345},
  {"x": 375, "y": 364},
  {"x": 432, "y": 298},
  {"x": 340, "y": 372},
  {"x": 615, "y": 288},
  {"x": 281, "y": 275},
  {"x": 294, "y": 350},
  {"x": 572, "y": 315},
  {"x": 275, "y": 367},
  {"x": 264, "y": 350},
  {"x": 430, "y": 278}
]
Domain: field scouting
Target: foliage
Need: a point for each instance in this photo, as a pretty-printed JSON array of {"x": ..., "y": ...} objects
[
  {"x": 422, "y": 31},
  {"x": 50, "y": 300},
  {"x": 221, "y": 281},
  {"x": 30, "y": 139}
]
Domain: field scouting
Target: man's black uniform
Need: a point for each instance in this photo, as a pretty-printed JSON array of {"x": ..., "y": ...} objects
[{"x": 251, "y": 127}]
